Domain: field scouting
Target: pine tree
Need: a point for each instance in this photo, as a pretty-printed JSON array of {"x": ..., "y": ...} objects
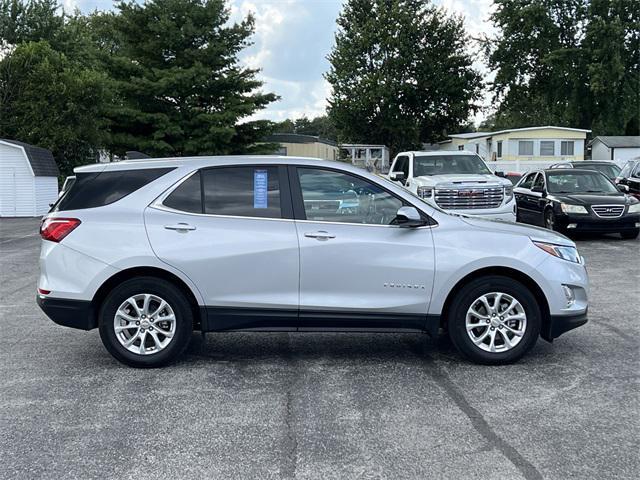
[{"x": 181, "y": 89}]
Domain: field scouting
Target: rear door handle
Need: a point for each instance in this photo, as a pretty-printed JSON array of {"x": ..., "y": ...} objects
[
  {"x": 321, "y": 235},
  {"x": 180, "y": 227}
]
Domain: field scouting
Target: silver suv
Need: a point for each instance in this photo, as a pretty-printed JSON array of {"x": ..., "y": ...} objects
[{"x": 148, "y": 251}]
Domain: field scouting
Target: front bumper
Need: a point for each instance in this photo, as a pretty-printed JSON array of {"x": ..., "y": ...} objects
[
  {"x": 68, "y": 313},
  {"x": 506, "y": 213},
  {"x": 594, "y": 224},
  {"x": 559, "y": 324}
]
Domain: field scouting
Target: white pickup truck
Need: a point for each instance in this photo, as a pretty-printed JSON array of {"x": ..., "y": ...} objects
[{"x": 455, "y": 181}]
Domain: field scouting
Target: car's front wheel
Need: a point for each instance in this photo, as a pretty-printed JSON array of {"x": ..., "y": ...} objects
[
  {"x": 145, "y": 322},
  {"x": 494, "y": 320}
]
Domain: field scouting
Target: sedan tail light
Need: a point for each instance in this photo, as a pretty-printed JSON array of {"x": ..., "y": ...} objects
[{"x": 55, "y": 229}]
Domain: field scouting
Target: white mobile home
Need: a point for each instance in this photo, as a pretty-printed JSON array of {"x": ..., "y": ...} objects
[{"x": 28, "y": 179}]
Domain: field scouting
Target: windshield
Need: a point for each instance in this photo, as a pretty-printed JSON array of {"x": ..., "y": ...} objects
[
  {"x": 579, "y": 182},
  {"x": 448, "y": 164},
  {"x": 609, "y": 170}
]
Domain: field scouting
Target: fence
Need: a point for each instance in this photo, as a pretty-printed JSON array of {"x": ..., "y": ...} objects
[{"x": 520, "y": 166}]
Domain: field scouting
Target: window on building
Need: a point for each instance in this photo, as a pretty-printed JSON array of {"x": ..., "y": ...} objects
[
  {"x": 525, "y": 148},
  {"x": 460, "y": 147},
  {"x": 499, "y": 149},
  {"x": 547, "y": 148},
  {"x": 566, "y": 148},
  {"x": 242, "y": 191},
  {"x": 477, "y": 148}
]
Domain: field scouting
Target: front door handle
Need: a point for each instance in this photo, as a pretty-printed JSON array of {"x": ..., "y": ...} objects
[
  {"x": 180, "y": 227},
  {"x": 321, "y": 235}
]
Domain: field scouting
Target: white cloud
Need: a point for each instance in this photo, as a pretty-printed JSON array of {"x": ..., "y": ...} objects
[{"x": 292, "y": 40}]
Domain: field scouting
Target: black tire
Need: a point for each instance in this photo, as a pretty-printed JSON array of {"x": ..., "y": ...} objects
[
  {"x": 518, "y": 217},
  {"x": 550, "y": 219},
  {"x": 155, "y": 286},
  {"x": 630, "y": 235},
  {"x": 464, "y": 299}
]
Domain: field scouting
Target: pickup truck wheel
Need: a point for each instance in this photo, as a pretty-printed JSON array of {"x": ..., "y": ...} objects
[
  {"x": 145, "y": 322},
  {"x": 494, "y": 320}
]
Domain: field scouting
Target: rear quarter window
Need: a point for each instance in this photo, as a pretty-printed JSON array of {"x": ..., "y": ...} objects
[{"x": 92, "y": 190}]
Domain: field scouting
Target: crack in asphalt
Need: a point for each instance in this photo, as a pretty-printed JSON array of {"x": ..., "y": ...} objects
[
  {"x": 289, "y": 458},
  {"x": 479, "y": 423}
]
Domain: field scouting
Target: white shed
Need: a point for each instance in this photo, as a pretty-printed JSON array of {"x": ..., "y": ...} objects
[
  {"x": 618, "y": 149},
  {"x": 28, "y": 179}
]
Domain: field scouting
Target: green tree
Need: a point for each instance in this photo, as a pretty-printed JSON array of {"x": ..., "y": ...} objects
[
  {"x": 29, "y": 21},
  {"x": 180, "y": 87},
  {"x": 612, "y": 49},
  {"x": 321, "y": 126},
  {"x": 401, "y": 73},
  {"x": 54, "y": 102},
  {"x": 566, "y": 62}
]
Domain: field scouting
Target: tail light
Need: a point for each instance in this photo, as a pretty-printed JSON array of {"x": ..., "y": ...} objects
[{"x": 55, "y": 229}]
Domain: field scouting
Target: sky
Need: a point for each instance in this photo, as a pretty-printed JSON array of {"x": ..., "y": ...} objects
[{"x": 292, "y": 40}]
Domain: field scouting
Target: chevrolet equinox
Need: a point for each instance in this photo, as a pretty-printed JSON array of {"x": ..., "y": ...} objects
[{"x": 148, "y": 251}]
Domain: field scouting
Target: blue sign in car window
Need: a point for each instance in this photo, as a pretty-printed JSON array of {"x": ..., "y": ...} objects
[{"x": 260, "y": 188}]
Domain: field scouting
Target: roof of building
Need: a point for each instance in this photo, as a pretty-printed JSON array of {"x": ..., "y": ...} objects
[
  {"x": 298, "y": 138},
  {"x": 509, "y": 130},
  {"x": 619, "y": 141},
  {"x": 362, "y": 145},
  {"x": 42, "y": 162}
]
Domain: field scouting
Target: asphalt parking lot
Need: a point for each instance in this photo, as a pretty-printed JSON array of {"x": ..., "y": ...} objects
[{"x": 260, "y": 406}]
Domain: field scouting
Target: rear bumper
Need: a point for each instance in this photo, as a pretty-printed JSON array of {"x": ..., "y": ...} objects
[
  {"x": 68, "y": 313},
  {"x": 560, "y": 324}
]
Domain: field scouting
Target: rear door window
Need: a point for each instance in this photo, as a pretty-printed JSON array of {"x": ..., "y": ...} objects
[
  {"x": 242, "y": 191},
  {"x": 103, "y": 188},
  {"x": 187, "y": 197}
]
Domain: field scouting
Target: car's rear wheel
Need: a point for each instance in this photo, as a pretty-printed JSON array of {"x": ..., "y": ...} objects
[
  {"x": 494, "y": 320},
  {"x": 630, "y": 235},
  {"x": 145, "y": 322}
]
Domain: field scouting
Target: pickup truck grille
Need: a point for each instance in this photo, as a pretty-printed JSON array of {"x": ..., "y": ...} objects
[
  {"x": 608, "y": 211},
  {"x": 469, "y": 198}
]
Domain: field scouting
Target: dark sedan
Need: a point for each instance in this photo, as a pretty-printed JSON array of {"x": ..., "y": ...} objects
[
  {"x": 629, "y": 177},
  {"x": 609, "y": 169},
  {"x": 573, "y": 200}
]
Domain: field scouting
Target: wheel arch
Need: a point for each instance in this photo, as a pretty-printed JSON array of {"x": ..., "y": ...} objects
[
  {"x": 199, "y": 313},
  {"x": 508, "y": 272}
]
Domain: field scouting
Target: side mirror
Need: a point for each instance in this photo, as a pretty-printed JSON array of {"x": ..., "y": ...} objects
[
  {"x": 397, "y": 176},
  {"x": 538, "y": 189},
  {"x": 499, "y": 174},
  {"x": 409, "y": 217},
  {"x": 623, "y": 188}
]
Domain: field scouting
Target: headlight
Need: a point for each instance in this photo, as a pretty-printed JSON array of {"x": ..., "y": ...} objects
[
  {"x": 508, "y": 193},
  {"x": 425, "y": 192},
  {"x": 635, "y": 208},
  {"x": 567, "y": 208},
  {"x": 566, "y": 253}
]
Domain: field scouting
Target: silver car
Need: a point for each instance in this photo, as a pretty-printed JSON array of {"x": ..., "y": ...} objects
[{"x": 148, "y": 251}]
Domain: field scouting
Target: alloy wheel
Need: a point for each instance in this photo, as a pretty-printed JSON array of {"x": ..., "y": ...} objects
[
  {"x": 144, "y": 324},
  {"x": 496, "y": 322}
]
